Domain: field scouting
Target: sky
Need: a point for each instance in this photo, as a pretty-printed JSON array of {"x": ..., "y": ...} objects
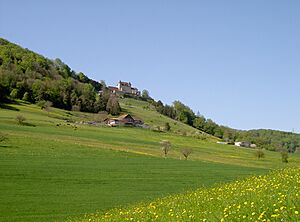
[{"x": 236, "y": 62}]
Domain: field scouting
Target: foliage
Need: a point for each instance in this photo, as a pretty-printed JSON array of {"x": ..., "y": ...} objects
[
  {"x": 267, "y": 139},
  {"x": 113, "y": 106},
  {"x": 45, "y": 104},
  {"x": 145, "y": 94},
  {"x": 259, "y": 154},
  {"x": 167, "y": 126},
  {"x": 31, "y": 77},
  {"x": 273, "y": 197},
  {"x": 284, "y": 157},
  {"x": 20, "y": 119},
  {"x": 26, "y": 97},
  {"x": 183, "y": 113}
]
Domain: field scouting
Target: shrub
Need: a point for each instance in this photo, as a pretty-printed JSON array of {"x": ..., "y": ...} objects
[
  {"x": 167, "y": 127},
  {"x": 20, "y": 119},
  {"x": 14, "y": 94},
  {"x": 284, "y": 157},
  {"x": 259, "y": 154},
  {"x": 76, "y": 108},
  {"x": 45, "y": 104},
  {"x": 26, "y": 97}
]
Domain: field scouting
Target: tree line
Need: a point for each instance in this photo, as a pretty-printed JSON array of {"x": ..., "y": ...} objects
[
  {"x": 31, "y": 77},
  {"x": 266, "y": 139}
]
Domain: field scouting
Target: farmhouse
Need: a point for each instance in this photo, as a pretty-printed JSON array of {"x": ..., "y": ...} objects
[
  {"x": 124, "y": 88},
  {"x": 245, "y": 144},
  {"x": 125, "y": 119}
]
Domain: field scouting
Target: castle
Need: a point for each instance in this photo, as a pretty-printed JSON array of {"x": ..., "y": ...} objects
[{"x": 124, "y": 88}]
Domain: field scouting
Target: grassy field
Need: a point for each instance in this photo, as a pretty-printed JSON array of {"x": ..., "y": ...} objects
[
  {"x": 273, "y": 197},
  {"x": 51, "y": 169}
]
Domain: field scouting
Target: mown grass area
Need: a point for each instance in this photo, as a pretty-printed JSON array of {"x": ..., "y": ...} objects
[
  {"x": 145, "y": 111},
  {"x": 51, "y": 169},
  {"x": 273, "y": 197}
]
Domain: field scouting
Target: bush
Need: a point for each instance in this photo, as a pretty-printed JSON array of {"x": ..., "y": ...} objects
[
  {"x": 26, "y": 97},
  {"x": 14, "y": 94},
  {"x": 167, "y": 127},
  {"x": 156, "y": 129},
  {"x": 259, "y": 154},
  {"x": 45, "y": 104},
  {"x": 20, "y": 119},
  {"x": 284, "y": 157},
  {"x": 76, "y": 108}
]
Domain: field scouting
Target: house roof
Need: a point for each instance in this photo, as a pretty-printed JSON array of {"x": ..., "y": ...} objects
[
  {"x": 113, "y": 88},
  {"x": 124, "y": 116}
]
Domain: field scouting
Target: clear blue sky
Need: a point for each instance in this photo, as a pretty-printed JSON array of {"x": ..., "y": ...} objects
[{"x": 237, "y": 62}]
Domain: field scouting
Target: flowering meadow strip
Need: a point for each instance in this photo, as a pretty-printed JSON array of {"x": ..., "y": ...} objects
[{"x": 272, "y": 197}]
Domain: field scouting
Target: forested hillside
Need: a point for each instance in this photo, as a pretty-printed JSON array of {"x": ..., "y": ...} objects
[{"x": 34, "y": 78}]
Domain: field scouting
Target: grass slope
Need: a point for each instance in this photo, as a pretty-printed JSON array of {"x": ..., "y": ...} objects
[
  {"x": 145, "y": 111},
  {"x": 51, "y": 170}
]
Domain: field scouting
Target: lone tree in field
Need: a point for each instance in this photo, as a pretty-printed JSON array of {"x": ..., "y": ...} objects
[
  {"x": 186, "y": 152},
  {"x": 165, "y": 147},
  {"x": 284, "y": 156},
  {"x": 259, "y": 154},
  {"x": 20, "y": 119}
]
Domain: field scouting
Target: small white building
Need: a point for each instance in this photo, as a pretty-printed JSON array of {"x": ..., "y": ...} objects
[
  {"x": 237, "y": 143},
  {"x": 221, "y": 142},
  {"x": 244, "y": 144}
]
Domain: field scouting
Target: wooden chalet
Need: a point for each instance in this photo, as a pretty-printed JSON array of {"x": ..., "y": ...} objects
[{"x": 125, "y": 119}]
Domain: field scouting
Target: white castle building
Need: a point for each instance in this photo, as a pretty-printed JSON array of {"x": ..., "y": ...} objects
[{"x": 124, "y": 88}]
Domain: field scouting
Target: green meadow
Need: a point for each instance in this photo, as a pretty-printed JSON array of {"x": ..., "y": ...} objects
[{"x": 52, "y": 168}]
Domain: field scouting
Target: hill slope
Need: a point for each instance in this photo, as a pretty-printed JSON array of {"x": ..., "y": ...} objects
[
  {"x": 145, "y": 111},
  {"x": 52, "y": 169},
  {"x": 29, "y": 76}
]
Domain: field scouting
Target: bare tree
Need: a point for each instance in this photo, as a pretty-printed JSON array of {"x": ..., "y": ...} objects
[
  {"x": 186, "y": 152},
  {"x": 165, "y": 146},
  {"x": 2, "y": 138}
]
